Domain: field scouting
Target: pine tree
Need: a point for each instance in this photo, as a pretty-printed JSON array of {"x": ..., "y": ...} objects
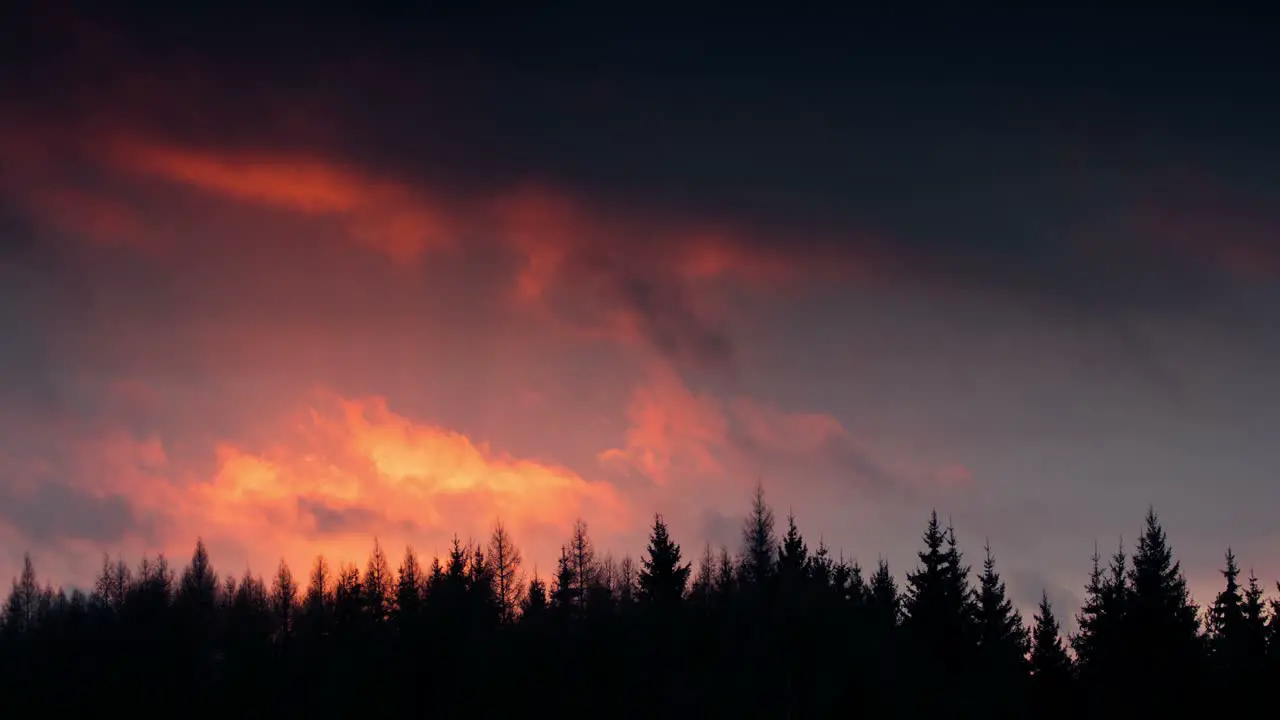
[
  {"x": 376, "y": 585},
  {"x": 939, "y": 615},
  {"x": 820, "y": 569},
  {"x": 1163, "y": 623},
  {"x": 702, "y": 588},
  {"x": 759, "y": 552},
  {"x": 1100, "y": 644},
  {"x": 196, "y": 610},
  {"x": 482, "y": 600},
  {"x": 316, "y": 599},
  {"x": 534, "y": 603},
  {"x": 626, "y": 582},
  {"x": 112, "y": 583},
  {"x": 582, "y": 556},
  {"x": 1254, "y": 645},
  {"x": 284, "y": 601},
  {"x": 793, "y": 553},
  {"x": 435, "y": 582},
  {"x": 410, "y": 585},
  {"x": 663, "y": 578},
  {"x": 199, "y": 583},
  {"x": 564, "y": 593},
  {"x": 884, "y": 602},
  {"x": 348, "y": 598},
  {"x": 1050, "y": 664},
  {"x": 1273, "y": 632},
  {"x": 1227, "y": 621},
  {"x": 21, "y": 612},
  {"x": 454, "y": 580},
  {"x": 938, "y": 608},
  {"x": 508, "y": 581},
  {"x": 727, "y": 573},
  {"x": 1004, "y": 640}
]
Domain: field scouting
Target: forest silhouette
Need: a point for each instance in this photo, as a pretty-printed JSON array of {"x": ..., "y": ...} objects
[{"x": 777, "y": 629}]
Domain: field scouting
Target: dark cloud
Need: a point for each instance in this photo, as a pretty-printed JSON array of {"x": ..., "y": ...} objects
[
  {"x": 670, "y": 322},
  {"x": 329, "y": 520},
  {"x": 720, "y": 530},
  {"x": 1005, "y": 153},
  {"x": 51, "y": 512}
]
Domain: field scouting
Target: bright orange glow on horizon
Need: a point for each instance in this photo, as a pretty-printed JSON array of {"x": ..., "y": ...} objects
[{"x": 346, "y": 471}]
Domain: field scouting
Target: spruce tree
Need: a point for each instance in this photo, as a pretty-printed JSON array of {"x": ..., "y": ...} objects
[
  {"x": 1100, "y": 642},
  {"x": 938, "y": 608},
  {"x": 793, "y": 554},
  {"x": 1227, "y": 621},
  {"x": 884, "y": 602},
  {"x": 1050, "y": 664},
  {"x": 564, "y": 591},
  {"x": 483, "y": 602},
  {"x": 702, "y": 589},
  {"x": 376, "y": 586},
  {"x": 284, "y": 601},
  {"x": 727, "y": 572},
  {"x": 1162, "y": 621},
  {"x": 759, "y": 551},
  {"x": 317, "y": 596},
  {"x": 1254, "y": 644},
  {"x": 1273, "y": 632},
  {"x": 663, "y": 578},
  {"x": 1003, "y": 638},
  {"x": 410, "y": 586}
]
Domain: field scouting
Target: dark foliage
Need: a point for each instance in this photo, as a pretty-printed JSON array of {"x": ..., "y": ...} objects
[{"x": 782, "y": 630}]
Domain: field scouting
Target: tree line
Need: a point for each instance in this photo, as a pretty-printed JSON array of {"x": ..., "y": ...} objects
[{"x": 778, "y": 629}]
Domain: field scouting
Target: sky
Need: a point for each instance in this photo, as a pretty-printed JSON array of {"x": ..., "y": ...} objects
[{"x": 291, "y": 282}]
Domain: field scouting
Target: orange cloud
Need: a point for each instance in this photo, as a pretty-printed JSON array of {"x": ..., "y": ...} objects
[
  {"x": 675, "y": 430},
  {"x": 391, "y": 218},
  {"x": 672, "y": 430},
  {"x": 640, "y": 280},
  {"x": 339, "y": 474}
]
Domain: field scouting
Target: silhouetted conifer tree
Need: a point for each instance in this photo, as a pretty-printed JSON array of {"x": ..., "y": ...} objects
[
  {"x": 939, "y": 613},
  {"x": 21, "y": 611},
  {"x": 376, "y": 587},
  {"x": 663, "y": 578},
  {"x": 582, "y": 556},
  {"x": 564, "y": 592},
  {"x": 726, "y": 574},
  {"x": 1162, "y": 621},
  {"x": 1226, "y": 622},
  {"x": 808, "y": 637},
  {"x": 508, "y": 583},
  {"x": 284, "y": 603},
  {"x": 1050, "y": 664},
  {"x": 1254, "y": 630},
  {"x": 534, "y": 603},
  {"x": 625, "y": 583},
  {"x": 759, "y": 545},
  {"x": 410, "y": 587},
  {"x": 1003, "y": 639}
]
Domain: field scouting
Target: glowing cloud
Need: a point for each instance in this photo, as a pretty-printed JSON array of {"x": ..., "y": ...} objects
[
  {"x": 335, "y": 476},
  {"x": 676, "y": 431},
  {"x": 388, "y": 217}
]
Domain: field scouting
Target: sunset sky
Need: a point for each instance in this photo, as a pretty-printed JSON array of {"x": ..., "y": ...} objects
[{"x": 293, "y": 281}]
